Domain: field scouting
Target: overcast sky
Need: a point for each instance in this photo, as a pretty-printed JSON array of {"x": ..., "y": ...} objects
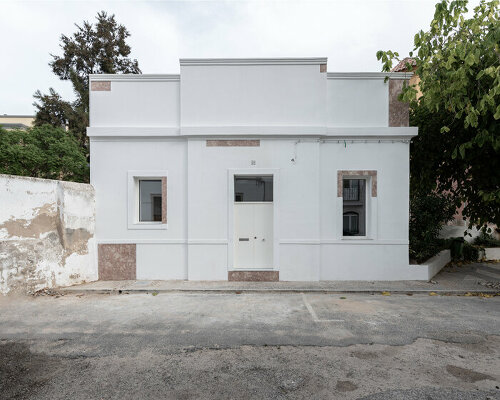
[{"x": 347, "y": 32}]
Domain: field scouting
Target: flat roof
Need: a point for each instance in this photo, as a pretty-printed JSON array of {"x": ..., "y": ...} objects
[{"x": 254, "y": 61}]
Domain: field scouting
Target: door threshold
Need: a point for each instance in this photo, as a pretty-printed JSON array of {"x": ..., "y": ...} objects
[{"x": 253, "y": 276}]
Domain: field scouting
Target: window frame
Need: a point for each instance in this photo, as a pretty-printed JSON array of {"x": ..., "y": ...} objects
[
  {"x": 351, "y": 215},
  {"x": 371, "y": 217},
  {"x": 250, "y": 177},
  {"x": 133, "y": 199},
  {"x": 152, "y": 197}
]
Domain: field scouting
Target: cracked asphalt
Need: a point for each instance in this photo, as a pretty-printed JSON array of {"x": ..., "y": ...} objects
[{"x": 246, "y": 346}]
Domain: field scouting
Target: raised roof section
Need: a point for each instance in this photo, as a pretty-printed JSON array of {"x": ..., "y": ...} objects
[
  {"x": 254, "y": 61},
  {"x": 243, "y": 96}
]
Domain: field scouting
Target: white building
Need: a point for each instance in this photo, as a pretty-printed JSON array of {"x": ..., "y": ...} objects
[{"x": 251, "y": 169}]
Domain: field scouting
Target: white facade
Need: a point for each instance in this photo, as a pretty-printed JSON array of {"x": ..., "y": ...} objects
[{"x": 279, "y": 118}]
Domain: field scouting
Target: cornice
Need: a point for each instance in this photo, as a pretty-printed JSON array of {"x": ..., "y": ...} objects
[
  {"x": 265, "y": 132},
  {"x": 135, "y": 77},
  {"x": 253, "y": 61},
  {"x": 369, "y": 75}
]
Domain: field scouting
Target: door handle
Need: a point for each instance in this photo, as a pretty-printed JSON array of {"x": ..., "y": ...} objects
[{"x": 243, "y": 239}]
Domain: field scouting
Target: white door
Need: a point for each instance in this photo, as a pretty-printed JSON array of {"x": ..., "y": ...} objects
[{"x": 253, "y": 235}]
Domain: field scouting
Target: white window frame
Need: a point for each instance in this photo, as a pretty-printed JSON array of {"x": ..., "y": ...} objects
[{"x": 133, "y": 178}]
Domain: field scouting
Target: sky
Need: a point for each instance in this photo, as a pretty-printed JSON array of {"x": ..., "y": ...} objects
[{"x": 348, "y": 32}]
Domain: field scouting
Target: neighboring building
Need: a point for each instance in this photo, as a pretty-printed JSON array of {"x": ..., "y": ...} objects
[
  {"x": 403, "y": 66},
  {"x": 251, "y": 169},
  {"x": 16, "y": 121}
]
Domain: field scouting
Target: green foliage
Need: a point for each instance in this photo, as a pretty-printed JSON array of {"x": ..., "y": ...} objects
[
  {"x": 458, "y": 63},
  {"x": 42, "y": 152},
  {"x": 486, "y": 240},
  {"x": 427, "y": 214},
  {"x": 470, "y": 252},
  {"x": 433, "y": 166},
  {"x": 92, "y": 49}
]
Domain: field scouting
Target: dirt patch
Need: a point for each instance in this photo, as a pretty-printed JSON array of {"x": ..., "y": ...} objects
[
  {"x": 365, "y": 355},
  {"x": 78, "y": 369},
  {"x": 23, "y": 373},
  {"x": 467, "y": 375},
  {"x": 345, "y": 386}
]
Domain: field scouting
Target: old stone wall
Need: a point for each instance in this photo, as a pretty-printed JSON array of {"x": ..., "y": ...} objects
[{"x": 46, "y": 234}]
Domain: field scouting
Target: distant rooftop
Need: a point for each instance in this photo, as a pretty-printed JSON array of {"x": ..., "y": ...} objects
[
  {"x": 16, "y": 121},
  {"x": 402, "y": 65}
]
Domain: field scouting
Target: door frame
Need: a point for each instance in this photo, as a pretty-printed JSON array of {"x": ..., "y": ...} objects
[{"x": 274, "y": 172}]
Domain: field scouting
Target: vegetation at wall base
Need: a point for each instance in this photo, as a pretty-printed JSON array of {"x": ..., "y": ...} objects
[
  {"x": 470, "y": 252},
  {"x": 43, "y": 152},
  {"x": 427, "y": 214},
  {"x": 458, "y": 148},
  {"x": 486, "y": 240}
]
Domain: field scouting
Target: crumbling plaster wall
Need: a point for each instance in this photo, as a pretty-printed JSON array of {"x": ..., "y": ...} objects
[{"x": 46, "y": 234}]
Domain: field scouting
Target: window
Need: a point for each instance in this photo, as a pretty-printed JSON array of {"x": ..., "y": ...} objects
[
  {"x": 351, "y": 189},
  {"x": 354, "y": 207},
  {"x": 253, "y": 188},
  {"x": 150, "y": 207},
  {"x": 147, "y": 199},
  {"x": 351, "y": 223}
]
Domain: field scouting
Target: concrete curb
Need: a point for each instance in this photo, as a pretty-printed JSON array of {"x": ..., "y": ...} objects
[{"x": 441, "y": 292}]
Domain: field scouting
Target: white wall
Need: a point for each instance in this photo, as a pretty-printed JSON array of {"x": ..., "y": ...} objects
[
  {"x": 357, "y": 102},
  {"x": 308, "y": 231},
  {"x": 324, "y": 122},
  {"x": 46, "y": 234},
  {"x": 253, "y": 95},
  {"x": 161, "y": 253},
  {"x": 111, "y": 161},
  {"x": 136, "y": 103}
]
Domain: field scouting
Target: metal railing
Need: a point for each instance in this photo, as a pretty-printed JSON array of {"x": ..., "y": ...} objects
[{"x": 351, "y": 193}]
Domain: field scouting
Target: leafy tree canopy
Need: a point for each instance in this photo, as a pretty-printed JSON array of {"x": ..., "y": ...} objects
[
  {"x": 458, "y": 63},
  {"x": 42, "y": 152},
  {"x": 92, "y": 49}
]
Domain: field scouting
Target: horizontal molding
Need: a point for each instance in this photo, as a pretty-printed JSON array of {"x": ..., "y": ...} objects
[
  {"x": 277, "y": 61},
  {"x": 369, "y": 75},
  {"x": 133, "y": 131},
  {"x": 253, "y": 61},
  {"x": 207, "y": 241},
  {"x": 252, "y": 130},
  {"x": 141, "y": 241},
  {"x": 404, "y": 132},
  {"x": 364, "y": 242},
  {"x": 300, "y": 241},
  {"x": 136, "y": 77},
  {"x": 164, "y": 241},
  {"x": 272, "y": 132}
]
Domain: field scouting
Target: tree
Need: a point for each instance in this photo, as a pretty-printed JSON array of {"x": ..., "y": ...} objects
[
  {"x": 427, "y": 213},
  {"x": 92, "y": 49},
  {"x": 42, "y": 152},
  {"x": 458, "y": 148}
]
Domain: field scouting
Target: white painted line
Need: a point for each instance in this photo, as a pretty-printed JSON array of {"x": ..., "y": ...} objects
[
  {"x": 313, "y": 313},
  {"x": 310, "y": 309}
]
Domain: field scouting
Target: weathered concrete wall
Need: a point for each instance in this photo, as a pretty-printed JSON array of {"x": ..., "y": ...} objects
[{"x": 46, "y": 234}]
